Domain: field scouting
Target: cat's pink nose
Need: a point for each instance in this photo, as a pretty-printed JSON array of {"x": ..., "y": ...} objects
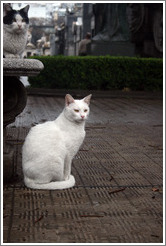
[{"x": 82, "y": 116}]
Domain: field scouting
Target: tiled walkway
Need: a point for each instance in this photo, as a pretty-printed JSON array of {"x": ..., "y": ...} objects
[{"x": 118, "y": 193}]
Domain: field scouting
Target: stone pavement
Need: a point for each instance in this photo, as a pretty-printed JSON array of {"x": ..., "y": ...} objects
[{"x": 119, "y": 177}]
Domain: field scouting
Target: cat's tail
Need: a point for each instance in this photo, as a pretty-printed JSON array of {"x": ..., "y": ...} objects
[{"x": 57, "y": 185}]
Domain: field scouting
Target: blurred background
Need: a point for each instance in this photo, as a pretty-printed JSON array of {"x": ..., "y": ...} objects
[{"x": 118, "y": 29}]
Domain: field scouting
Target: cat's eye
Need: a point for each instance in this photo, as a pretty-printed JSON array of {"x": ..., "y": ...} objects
[
  {"x": 85, "y": 110},
  {"x": 76, "y": 110}
]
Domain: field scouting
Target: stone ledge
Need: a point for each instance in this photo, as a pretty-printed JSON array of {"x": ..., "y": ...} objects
[{"x": 21, "y": 67}]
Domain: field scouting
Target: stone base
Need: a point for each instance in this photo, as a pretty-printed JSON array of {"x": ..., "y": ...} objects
[
  {"x": 116, "y": 48},
  {"x": 150, "y": 49},
  {"x": 8, "y": 163}
]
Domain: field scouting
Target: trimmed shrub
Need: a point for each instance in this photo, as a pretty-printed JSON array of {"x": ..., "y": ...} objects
[{"x": 99, "y": 73}]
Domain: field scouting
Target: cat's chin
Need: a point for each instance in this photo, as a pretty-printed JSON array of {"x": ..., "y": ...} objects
[
  {"x": 79, "y": 121},
  {"x": 18, "y": 31}
]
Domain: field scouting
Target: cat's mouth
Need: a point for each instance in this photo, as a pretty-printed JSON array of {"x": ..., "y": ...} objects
[
  {"x": 81, "y": 120},
  {"x": 19, "y": 29}
]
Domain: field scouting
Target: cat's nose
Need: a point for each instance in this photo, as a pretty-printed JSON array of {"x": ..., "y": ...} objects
[{"x": 82, "y": 116}]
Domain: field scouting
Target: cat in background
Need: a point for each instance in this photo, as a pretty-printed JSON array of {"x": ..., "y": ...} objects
[
  {"x": 15, "y": 31},
  {"x": 49, "y": 148}
]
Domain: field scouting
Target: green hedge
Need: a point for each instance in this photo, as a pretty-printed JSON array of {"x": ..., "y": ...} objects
[{"x": 99, "y": 73}]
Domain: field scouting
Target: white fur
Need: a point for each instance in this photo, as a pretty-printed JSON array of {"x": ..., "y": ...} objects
[
  {"x": 15, "y": 38},
  {"x": 50, "y": 147}
]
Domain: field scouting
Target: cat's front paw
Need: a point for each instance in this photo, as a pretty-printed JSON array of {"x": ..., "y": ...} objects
[
  {"x": 67, "y": 177},
  {"x": 11, "y": 56}
]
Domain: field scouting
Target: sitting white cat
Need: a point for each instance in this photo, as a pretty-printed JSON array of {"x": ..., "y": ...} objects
[{"x": 49, "y": 148}]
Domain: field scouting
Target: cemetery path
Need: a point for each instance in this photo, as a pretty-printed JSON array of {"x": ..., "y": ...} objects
[{"x": 118, "y": 196}]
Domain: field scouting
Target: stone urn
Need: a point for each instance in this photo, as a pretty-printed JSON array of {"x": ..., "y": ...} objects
[{"x": 14, "y": 100}]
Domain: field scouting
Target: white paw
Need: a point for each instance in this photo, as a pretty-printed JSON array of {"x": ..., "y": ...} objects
[{"x": 67, "y": 177}]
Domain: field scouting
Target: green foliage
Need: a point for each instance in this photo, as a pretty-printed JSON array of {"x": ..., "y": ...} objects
[{"x": 99, "y": 73}]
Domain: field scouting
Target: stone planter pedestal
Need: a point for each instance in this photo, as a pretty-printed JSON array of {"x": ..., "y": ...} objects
[{"x": 14, "y": 100}]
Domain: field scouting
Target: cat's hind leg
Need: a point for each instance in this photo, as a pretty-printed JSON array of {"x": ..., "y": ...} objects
[
  {"x": 43, "y": 172},
  {"x": 9, "y": 55}
]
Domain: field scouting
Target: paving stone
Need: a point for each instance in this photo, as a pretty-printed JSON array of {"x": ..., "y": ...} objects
[{"x": 116, "y": 170}]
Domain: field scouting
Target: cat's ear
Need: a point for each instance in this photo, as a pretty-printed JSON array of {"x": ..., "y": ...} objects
[
  {"x": 87, "y": 99},
  {"x": 25, "y": 9},
  {"x": 69, "y": 99},
  {"x": 7, "y": 8}
]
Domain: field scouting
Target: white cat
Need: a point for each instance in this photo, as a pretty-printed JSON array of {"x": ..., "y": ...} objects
[
  {"x": 15, "y": 31},
  {"x": 50, "y": 147}
]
